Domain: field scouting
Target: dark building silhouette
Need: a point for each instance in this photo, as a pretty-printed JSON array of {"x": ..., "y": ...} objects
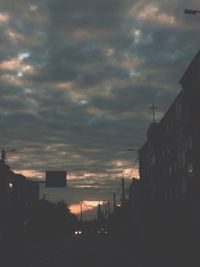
[
  {"x": 4, "y": 178},
  {"x": 170, "y": 158},
  {"x": 17, "y": 196},
  {"x": 16, "y": 188},
  {"x": 4, "y": 183},
  {"x": 22, "y": 191},
  {"x": 165, "y": 202}
]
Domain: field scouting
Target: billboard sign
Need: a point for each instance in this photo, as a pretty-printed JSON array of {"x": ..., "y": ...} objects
[{"x": 56, "y": 179}]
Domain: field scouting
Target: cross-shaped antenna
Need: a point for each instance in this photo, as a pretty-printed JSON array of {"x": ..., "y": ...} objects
[{"x": 153, "y": 107}]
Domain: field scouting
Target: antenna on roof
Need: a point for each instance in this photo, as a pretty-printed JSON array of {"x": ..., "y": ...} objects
[
  {"x": 153, "y": 107},
  {"x": 3, "y": 154}
]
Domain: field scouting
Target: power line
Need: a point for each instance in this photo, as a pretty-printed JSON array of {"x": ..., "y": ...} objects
[{"x": 132, "y": 169}]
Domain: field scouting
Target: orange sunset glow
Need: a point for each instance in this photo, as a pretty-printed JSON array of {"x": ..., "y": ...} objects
[{"x": 87, "y": 205}]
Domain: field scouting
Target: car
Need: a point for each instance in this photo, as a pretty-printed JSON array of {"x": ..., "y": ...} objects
[
  {"x": 102, "y": 232},
  {"x": 78, "y": 232}
]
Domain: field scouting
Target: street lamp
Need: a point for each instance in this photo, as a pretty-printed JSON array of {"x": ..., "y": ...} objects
[{"x": 191, "y": 11}]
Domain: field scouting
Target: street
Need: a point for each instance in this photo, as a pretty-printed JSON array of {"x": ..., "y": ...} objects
[
  {"x": 88, "y": 253},
  {"x": 77, "y": 252}
]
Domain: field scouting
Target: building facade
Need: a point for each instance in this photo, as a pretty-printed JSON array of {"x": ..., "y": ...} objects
[
  {"x": 22, "y": 191},
  {"x": 170, "y": 158},
  {"x": 17, "y": 196}
]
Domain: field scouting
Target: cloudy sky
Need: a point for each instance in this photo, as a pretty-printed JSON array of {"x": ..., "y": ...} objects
[{"x": 77, "y": 79}]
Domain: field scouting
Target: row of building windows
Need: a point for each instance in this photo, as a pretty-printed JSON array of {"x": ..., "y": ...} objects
[{"x": 189, "y": 169}]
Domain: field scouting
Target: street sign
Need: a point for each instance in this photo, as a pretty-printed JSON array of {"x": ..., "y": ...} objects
[
  {"x": 190, "y": 11},
  {"x": 56, "y": 179}
]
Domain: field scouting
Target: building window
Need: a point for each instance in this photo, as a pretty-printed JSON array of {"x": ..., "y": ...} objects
[
  {"x": 153, "y": 160},
  {"x": 179, "y": 160},
  {"x": 187, "y": 115},
  {"x": 190, "y": 142},
  {"x": 178, "y": 111},
  {"x": 170, "y": 170},
  {"x": 183, "y": 158},
  {"x": 175, "y": 166},
  {"x": 10, "y": 185},
  {"x": 190, "y": 170},
  {"x": 186, "y": 145}
]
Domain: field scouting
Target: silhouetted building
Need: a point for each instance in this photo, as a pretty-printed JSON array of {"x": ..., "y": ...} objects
[
  {"x": 170, "y": 158},
  {"x": 4, "y": 182},
  {"x": 4, "y": 178},
  {"x": 165, "y": 202},
  {"x": 22, "y": 191}
]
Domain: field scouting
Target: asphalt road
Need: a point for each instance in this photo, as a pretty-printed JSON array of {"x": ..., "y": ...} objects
[
  {"x": 74, "y": 252},
  {"x": 88, "y": 252}
]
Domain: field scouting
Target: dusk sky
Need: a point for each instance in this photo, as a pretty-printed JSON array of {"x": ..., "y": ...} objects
[{"x": 77, "y": 79}]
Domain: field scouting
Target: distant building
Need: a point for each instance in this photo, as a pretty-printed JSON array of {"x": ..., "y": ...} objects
[
  {"x": 22, "y": 191},
  {"x": 4, "y": 183},
  {"x": 4, "y": 178},
  {"x": 17, "y": 194},
  {"x": 170, "y": 158},
  {"x": 16, "y": 189}
]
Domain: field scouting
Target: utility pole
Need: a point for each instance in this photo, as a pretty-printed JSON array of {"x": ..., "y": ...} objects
[
  {"x": 81, "y": 215},
  {"x": 108, "y": 208},
  {"x": 123, "y": 192},
  {"x": 99, "y": 212},
  {"x": 114, "y": 201},
  {"x": 105, "y": 210},
  {"x": 153, "y": 107}
]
